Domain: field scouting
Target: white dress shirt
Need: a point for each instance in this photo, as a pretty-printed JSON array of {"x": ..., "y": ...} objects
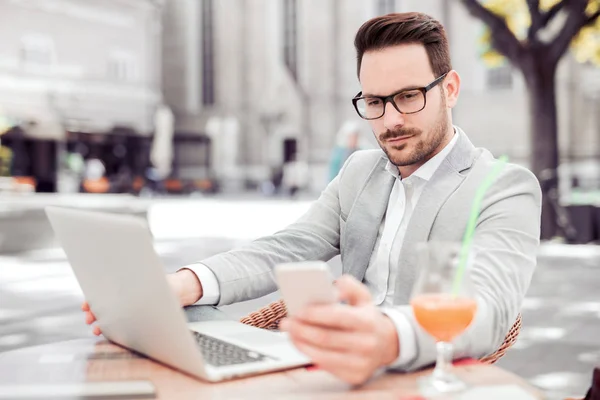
[{"x": 382, "y": 269}]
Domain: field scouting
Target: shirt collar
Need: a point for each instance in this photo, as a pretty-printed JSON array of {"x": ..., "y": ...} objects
[{"x": 427, "y": 170}]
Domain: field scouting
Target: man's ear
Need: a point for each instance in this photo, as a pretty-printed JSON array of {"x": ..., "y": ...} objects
[{"x": 452, "y": 88}]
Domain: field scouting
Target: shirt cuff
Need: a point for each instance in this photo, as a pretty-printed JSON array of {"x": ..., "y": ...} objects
[
  {"x": 407, "y": 340},
  {"x": 210, "y": 285}
]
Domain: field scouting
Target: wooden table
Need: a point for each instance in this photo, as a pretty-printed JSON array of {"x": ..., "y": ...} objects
[{"x": 96, "y": 360}]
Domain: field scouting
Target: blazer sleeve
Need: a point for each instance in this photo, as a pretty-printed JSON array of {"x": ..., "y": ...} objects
[{"x": 246, "y": 273}]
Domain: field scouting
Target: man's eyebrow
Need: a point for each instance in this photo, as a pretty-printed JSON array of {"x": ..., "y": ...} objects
[{"x": 412, "y": 87}]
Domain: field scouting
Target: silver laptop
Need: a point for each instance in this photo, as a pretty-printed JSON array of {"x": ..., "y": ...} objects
[{"x": 123, "y": 280}]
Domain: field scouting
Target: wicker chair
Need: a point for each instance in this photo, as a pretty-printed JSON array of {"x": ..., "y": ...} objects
[{"x": 269, "y": 316}]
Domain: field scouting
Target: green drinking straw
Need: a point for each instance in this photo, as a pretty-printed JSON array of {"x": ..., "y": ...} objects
[{"x": 470, "y": 231}]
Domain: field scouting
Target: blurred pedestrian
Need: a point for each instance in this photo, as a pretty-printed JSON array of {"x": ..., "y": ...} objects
[{"x": 347, "y": 142}]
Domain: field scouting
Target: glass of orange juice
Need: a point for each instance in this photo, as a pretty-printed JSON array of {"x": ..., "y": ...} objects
[{"x": 442, "y": 308}]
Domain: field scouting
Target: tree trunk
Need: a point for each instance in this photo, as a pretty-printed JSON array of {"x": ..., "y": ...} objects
[{"x": 540, "y": 79}]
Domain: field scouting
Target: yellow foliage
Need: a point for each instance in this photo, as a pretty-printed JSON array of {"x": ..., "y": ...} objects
[
  {"x": 514, "y": 12},
  {"x": 5, "y": 125},
  {"x": 585, "y": 46},
  {"x": 493, "y": 59},
  {"x": 5, "y": 160},
  {"x": 592, "y": 7}
]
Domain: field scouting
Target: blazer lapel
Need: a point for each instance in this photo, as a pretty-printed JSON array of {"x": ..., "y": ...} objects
[
  {"x": 443, "y": 183},
  {"x": 364, "y": 220}
]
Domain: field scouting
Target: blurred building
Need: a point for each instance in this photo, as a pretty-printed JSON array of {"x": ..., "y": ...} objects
[
  {"x": 79, "y": 76},
  {"x": 252, "y": 82}
]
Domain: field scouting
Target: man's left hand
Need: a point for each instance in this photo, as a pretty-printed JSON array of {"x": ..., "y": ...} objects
[{"x": 350, "y": 341}]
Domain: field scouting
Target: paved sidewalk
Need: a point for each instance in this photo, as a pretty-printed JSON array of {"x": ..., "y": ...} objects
[{"x": 557, "y": 349}]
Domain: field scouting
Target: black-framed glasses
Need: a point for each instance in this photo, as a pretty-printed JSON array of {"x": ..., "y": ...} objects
[{"x": 407, "y": 101}]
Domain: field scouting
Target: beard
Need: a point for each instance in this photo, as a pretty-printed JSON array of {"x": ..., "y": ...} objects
[{"x": 424, "y": 149}]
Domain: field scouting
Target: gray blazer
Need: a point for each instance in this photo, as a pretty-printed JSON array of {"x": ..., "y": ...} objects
[{"x": 346, "y": 218}]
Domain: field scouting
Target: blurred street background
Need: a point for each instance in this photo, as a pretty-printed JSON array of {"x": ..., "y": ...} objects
[{"x": 220, "y": 121}]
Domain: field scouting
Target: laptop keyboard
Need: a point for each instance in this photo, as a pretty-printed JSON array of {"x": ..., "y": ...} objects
[{"x": 219, "y": 353}]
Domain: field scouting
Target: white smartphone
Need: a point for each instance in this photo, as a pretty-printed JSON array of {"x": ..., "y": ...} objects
[{"x": 305, "y": 283}]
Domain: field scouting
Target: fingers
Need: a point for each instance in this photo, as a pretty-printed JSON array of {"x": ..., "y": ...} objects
[
  {"x": 352, "y": 291},
  {"x": 328, "y": 339},
  {"x": 90, "y": 318},
  {"x": 341, "y": 339},
  {"x": 348, "y": 367},
  {"x": 335, "y": 316}
]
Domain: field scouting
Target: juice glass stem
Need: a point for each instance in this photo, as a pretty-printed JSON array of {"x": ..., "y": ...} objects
[
  {"x": 442, "y": 380},
  {"x": 444, "y": 361}
]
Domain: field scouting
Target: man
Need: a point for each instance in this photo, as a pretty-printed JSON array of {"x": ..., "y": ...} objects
[
  {"x": 347, "y": 142},
  {"x": 380, "y": 206}
]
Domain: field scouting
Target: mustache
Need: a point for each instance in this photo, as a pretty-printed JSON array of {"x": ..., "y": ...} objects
[{"x": 398, "y": 133}]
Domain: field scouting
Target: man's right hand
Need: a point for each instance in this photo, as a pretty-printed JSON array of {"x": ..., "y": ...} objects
[
  {"x": 184, "y": 283},
  {"x": 90, "y": 318}
]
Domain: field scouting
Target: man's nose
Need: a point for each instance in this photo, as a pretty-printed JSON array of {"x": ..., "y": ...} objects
[{"x": 392, "y": 119}]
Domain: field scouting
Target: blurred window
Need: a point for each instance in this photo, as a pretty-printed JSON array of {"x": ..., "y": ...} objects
[
  {"x": 37, "y": 50},
  {"x": 500, "y": 78},
  {"x": 290, "y": 36},
  {"x": 121, "y": 67},
  {"x": 386, "y": 6},
  {"x": 208, "y": 53}
]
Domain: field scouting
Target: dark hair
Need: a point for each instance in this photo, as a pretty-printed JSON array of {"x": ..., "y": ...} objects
[{"x": 403, "y": 28}]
